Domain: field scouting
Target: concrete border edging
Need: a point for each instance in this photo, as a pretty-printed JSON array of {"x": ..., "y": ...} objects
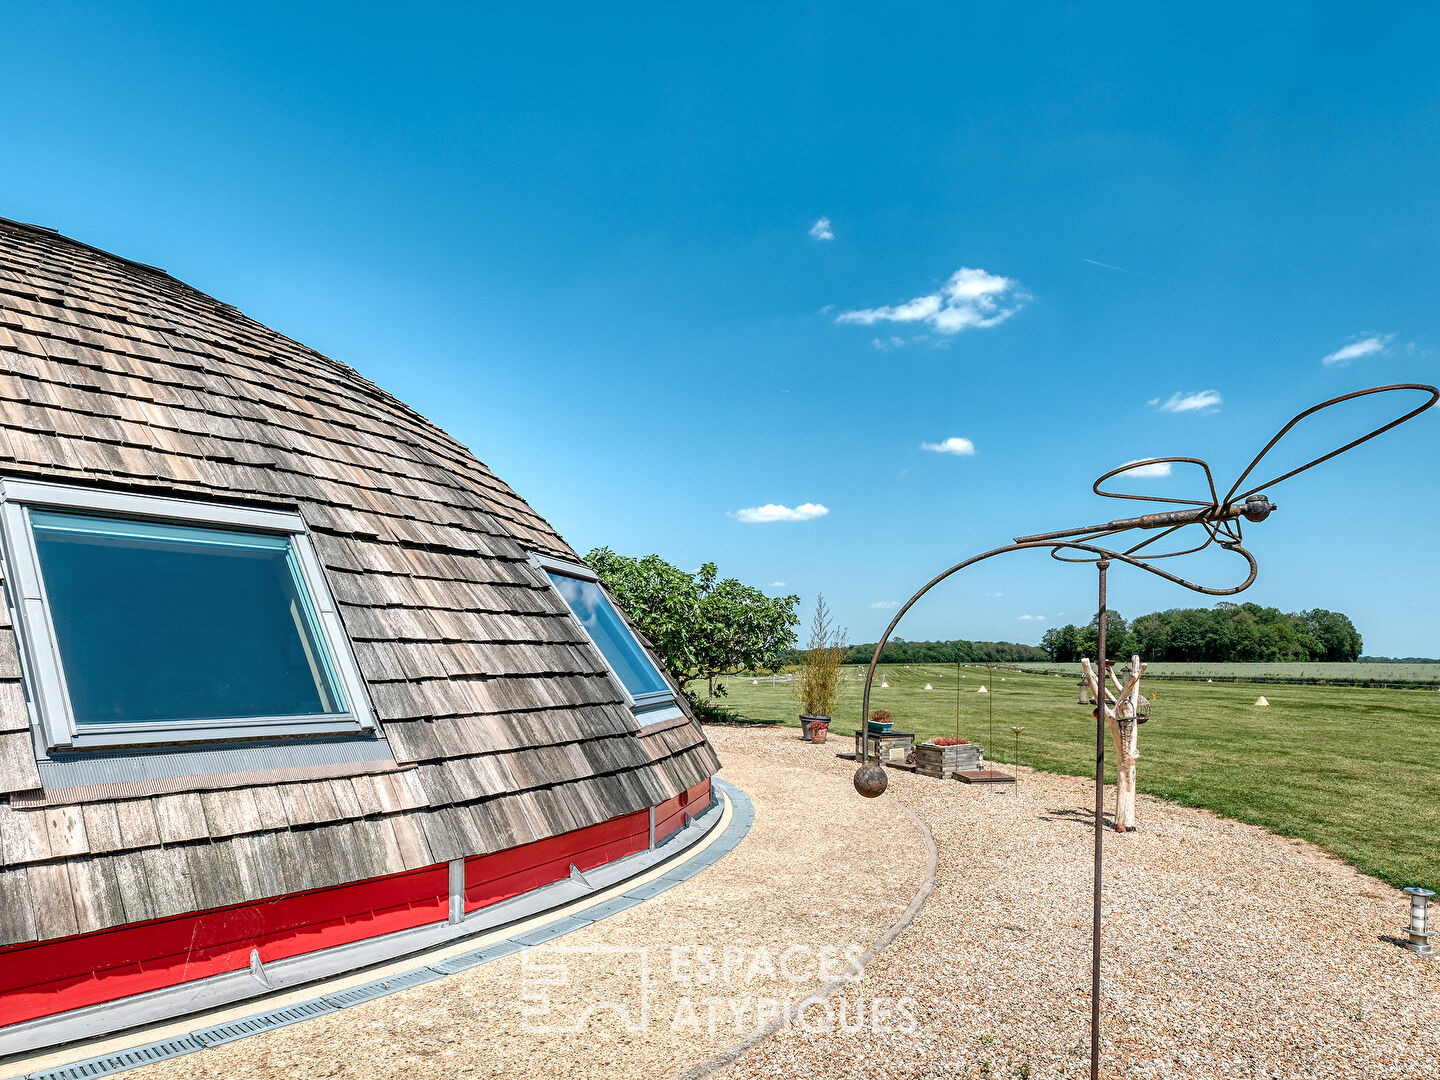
[{"x": 738, "y": 1050}]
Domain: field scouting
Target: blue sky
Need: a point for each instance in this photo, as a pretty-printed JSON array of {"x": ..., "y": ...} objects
[{"x": 584, "y": 240}]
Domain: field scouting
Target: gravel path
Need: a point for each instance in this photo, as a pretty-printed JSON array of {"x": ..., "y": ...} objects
[
  {"x": 1230, "y": 952},
  {"x": 797, "y": 882}
]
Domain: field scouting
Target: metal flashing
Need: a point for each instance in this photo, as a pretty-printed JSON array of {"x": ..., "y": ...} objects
[
  {"x": 96, "y": 775},
  {"x": 553, "y": 930},
  {"x": 613, "y": 907},
  {"x": 649, "y": 889}
]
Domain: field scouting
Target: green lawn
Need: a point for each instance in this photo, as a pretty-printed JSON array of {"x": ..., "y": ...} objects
[{"x": 1354, "y": 770}]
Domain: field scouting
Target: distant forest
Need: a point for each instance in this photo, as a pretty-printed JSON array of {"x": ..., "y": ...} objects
[
  {"x": 900, "y": 651},
  {"x": 1226, "y": 633}
]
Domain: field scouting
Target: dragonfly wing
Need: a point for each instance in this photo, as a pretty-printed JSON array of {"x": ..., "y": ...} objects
[
  {"x": 1156, "y": 468},
  {"x": 1432, "y": 395},
  {"x": 1179, "y": 540}
]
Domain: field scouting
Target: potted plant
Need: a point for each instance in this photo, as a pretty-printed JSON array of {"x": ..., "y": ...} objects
[{"x": 817, "y": 680}]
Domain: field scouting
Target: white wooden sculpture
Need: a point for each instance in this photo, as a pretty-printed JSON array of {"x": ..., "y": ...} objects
[{"x": 1122, "y": 711}]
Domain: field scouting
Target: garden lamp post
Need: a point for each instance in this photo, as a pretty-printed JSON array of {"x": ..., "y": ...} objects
[
  {"x": 1216, "y": 520},
  {"x": 1419, "y": 929}
]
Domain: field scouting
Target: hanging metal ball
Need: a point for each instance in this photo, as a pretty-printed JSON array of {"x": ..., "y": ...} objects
[{"x": 871, "y": 780}]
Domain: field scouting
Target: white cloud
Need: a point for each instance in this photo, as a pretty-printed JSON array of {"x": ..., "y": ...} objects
[
  {"x": 994, "y": 594},
  {"x": 821, "y": 230},
  {"x": 971, "y": 298},
  {"x": 1190, "y": 401},
  {"x": 953, "y": 445},
  {"x": 761, "y": 515},
  {"x": 1158, "y": 468},
  {"x": 1034, "y": 618},
  {"x": 777, "y": 584},
  {"x": 885, "y": 604},
  {"x": 886, "y": 344},
  {"x": 1356, "y": 349}
]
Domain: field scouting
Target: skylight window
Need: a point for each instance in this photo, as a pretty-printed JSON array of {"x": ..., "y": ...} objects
[
  {"x": 626, "y": 657},
  {"x": 153, "y": 620}
]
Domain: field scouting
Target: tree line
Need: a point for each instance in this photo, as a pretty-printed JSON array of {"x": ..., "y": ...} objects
[
  {"x": 899, "y": 651},
  {"x": 1226, "y": 633}
]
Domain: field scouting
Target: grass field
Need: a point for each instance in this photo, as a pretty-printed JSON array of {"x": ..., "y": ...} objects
[
  {"x": 1354, "y": 770},
  {"x": 1309, "y": 671}
]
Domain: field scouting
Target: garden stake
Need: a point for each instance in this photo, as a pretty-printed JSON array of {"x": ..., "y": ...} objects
[
  {"x": 990, "y": 682},
  {"x": 1218, "y": 518},
  {"x": 957, "y": 694}
]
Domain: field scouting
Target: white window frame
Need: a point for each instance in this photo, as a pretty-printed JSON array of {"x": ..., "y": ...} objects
[
  {"x": 649, "y": 708},
  {"x": 40, "y": 657}
]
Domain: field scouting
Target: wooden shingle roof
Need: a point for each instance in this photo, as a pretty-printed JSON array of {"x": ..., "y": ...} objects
[{"x": 505, "y": 724}]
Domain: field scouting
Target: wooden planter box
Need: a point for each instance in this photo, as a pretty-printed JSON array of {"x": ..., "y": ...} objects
[
  {"x": 892, "y": 748},
  {"x": 944, "y": 761}
]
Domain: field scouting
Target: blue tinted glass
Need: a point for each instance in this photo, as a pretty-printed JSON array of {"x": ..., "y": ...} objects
[
  {"x": 162, "y": 622},
  {"x": 610, "y": 634}
]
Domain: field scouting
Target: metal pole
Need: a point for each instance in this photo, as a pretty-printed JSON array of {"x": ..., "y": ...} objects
[{"x": 1100, "y": 675}]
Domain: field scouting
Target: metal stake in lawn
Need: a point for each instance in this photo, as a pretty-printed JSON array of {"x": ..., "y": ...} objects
[
  {"x": 1217, "y": 517},
  {"x": 990, "y": 699}
]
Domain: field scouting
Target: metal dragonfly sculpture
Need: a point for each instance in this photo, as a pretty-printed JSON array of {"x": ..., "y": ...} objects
[{"x": 1202, "y": 522}]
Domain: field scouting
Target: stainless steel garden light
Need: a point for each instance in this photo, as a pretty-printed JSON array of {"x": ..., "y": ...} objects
[{"x": 1419, "y": 929}]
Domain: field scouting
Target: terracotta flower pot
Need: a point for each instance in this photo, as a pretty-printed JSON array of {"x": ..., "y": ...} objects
[{"x": 815, "y": 727}]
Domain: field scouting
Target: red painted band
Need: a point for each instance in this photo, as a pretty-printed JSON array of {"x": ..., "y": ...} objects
[{"x": 48, "y": 977}]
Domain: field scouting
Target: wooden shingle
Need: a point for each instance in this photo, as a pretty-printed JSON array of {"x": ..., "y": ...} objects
[{"x": 17, "y": 914}]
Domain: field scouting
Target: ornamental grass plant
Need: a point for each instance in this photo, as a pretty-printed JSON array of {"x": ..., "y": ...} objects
[{"x": 817, "y": 680}]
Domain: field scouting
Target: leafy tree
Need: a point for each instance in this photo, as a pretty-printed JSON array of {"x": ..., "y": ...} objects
[
  {"x": 1119, "y": 641},
  {"x": 1062, "y": 643},
  {"x": 702, "y": 626},
  {"x": 1335, "y": 635}
]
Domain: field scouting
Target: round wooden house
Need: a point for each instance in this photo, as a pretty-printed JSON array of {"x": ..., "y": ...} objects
[{"x": 290, "y": 683}]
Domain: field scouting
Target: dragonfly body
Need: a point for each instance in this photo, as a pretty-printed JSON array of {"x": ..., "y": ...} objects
[{"x": 1255, "y": 508}]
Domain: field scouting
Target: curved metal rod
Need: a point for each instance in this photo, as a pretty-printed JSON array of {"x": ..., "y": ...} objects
[
  {"x": 1099, "y": 553},
  {"x": 1422, "y": 387}
]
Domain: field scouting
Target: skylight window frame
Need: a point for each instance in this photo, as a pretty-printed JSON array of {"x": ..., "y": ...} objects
[
  {"x": 649, "y": 708},
  {"x": 52, "y": 718}
]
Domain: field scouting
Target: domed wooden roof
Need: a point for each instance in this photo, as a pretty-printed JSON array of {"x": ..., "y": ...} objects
[{"x": 504, "y": 723}]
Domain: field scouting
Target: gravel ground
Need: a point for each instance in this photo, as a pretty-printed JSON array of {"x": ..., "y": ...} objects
[
  {"x": 1230, "y": 952},
  {"x": 797, "y": 882}
]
